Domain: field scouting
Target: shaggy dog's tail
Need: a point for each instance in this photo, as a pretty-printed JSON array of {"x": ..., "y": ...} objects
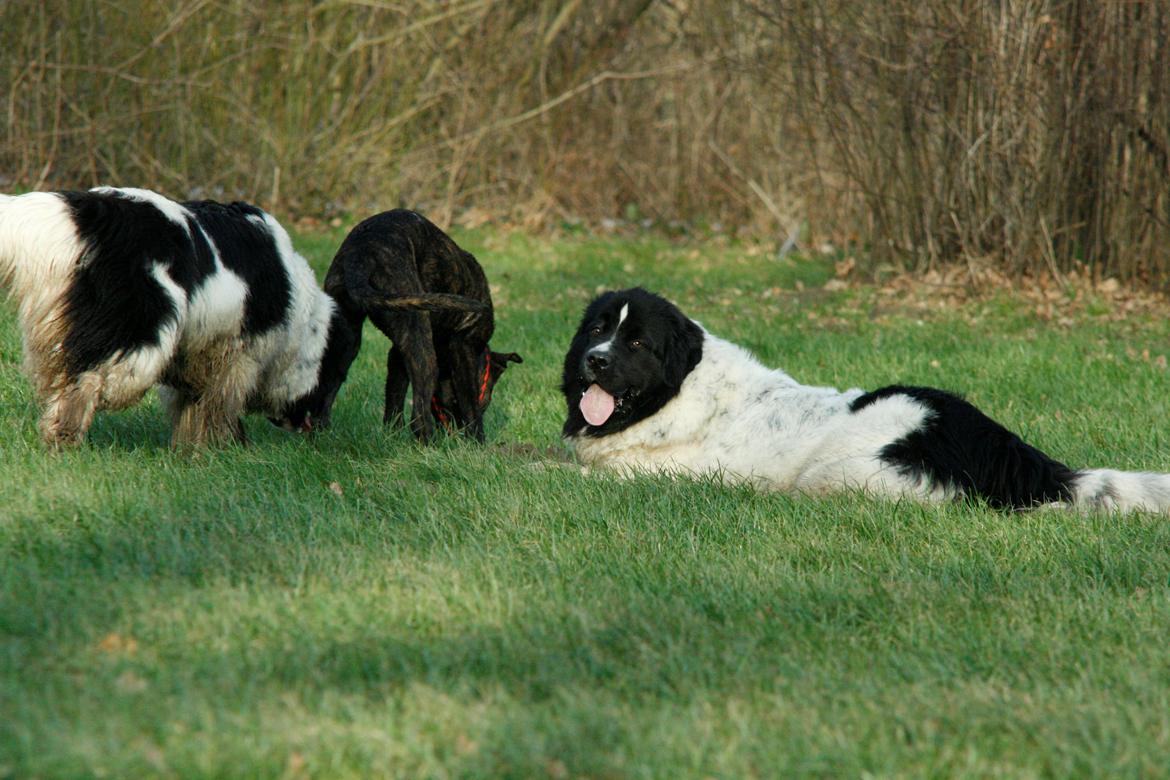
[{"x": 1122, "y": 491}]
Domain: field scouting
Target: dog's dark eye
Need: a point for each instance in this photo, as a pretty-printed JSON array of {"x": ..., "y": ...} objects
[
  {"x": 595, "y": 330},
  {"x": 637, "y": 344}
]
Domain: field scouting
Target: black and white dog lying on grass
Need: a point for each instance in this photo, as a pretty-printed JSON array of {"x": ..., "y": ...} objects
[
  {"x": 122, "y": 289},
  {"x": 649, "y": 389}
]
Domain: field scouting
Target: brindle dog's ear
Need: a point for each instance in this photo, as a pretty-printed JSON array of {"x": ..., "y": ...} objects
[{"x": 502, "y": 359}]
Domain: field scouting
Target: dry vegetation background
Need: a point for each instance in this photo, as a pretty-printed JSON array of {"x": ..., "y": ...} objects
[{"x": 1029, "y": 133}]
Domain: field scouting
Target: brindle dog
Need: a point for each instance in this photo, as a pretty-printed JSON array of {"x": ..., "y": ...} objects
[{"x": 432, "y": 301}]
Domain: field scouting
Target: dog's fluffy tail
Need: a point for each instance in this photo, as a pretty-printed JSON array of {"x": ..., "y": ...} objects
[
  {"x": 1122, "y": 491},
  {"x": 39, "y": 245}
]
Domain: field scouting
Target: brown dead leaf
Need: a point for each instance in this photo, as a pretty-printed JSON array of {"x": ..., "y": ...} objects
[
  {"x": 843, "y": 268},
  {"x": 295, "y": 767},
  {"x": 116, "y": 644}
]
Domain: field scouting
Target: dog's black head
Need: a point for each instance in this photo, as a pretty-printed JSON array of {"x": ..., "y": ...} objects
[
  {"x": 629, "y": 357},
  {"x": 465, "y": 410},
  {"x": 312, "y": 411}
]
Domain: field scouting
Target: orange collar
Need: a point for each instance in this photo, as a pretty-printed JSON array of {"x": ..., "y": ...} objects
[
  {"x": 487, "y": 377},
  {"x": 442, "y": 415}
]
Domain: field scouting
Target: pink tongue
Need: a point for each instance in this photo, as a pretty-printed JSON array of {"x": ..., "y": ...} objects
[{"x": 596, "y": 405}]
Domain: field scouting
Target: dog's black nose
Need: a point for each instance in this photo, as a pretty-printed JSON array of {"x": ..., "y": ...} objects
[{"x": 597, "y": 362}]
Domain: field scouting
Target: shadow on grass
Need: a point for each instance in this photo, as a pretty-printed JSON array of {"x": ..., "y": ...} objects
[{"x": 626, "y": 608}]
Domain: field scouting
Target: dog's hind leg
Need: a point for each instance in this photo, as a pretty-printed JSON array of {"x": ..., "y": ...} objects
[
  {"x": 414, "y": 351},
  {"x": 397, "y": 380},
  {"x": 421, "y": 364},
  {"x": 69, "y": 411},
  {"x": 117, "y": 384}
]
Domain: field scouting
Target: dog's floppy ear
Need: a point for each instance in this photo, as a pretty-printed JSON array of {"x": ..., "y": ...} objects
[
  {"x": 684, "y": 349},
  {"x": 501, "y": 359},
  {"x": 498, "y": 361}
]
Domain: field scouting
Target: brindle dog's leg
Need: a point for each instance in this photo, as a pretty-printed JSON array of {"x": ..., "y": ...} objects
[
  {"x": 415, "y": 347},
  {"x": 397, "y": 380}
]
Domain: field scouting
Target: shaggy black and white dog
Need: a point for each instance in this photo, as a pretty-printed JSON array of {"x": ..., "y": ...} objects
[
  {"x": 649, "y": 389},
  {"x": 122, "y": 289}
]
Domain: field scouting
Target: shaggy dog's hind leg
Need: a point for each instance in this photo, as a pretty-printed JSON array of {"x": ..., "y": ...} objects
[
  {"x": 70, "y": 410},
  {"x": 116, "y": 384}
]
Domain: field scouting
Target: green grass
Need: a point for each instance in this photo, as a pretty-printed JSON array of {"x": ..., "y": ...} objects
[{"x": 355, "y": 605}]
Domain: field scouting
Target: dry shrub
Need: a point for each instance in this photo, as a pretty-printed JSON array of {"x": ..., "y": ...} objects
[
  {"x": 534, "y": 110},
  {"x": 1030, "y": 132}
]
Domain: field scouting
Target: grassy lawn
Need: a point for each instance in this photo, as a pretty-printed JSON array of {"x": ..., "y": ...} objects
[{"x": 355, "y": 605}]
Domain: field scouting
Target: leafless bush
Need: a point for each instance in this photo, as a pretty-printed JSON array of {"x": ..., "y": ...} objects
[
  {"x": 1032, "y": 132},
  {"x": 534, "y": 109}
]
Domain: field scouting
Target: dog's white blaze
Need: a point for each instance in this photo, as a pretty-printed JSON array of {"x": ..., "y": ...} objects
[{"x": 605, "y": 346}]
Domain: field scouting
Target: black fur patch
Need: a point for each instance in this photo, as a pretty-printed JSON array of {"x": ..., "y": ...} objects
[
  {"x": 249, "y": 250},
  {"x": 113, "y": 303},
  {"x": 961, "y": 448},
  {"x": 651, "y": 353}
]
